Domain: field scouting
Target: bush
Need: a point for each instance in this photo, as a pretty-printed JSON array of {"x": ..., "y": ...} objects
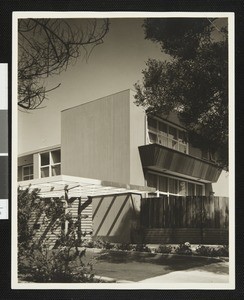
[
  {"x": 203, "y": 251},
  {"x": 124, "y": 246},
  {"x": 223, "y": 251},
  {"x": 141, "y": 248},
  {"x": 212, "y": 251},
  {"x": 164, "y": 249},
  {"x": 184, "y": 249},
  {"x": 36, "y": 261},
  {"x": 64, "y": 264},
  {"x": 99, "y": 243}
]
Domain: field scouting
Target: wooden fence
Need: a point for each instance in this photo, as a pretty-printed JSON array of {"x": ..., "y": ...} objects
[{"x": 196, "y": 219}]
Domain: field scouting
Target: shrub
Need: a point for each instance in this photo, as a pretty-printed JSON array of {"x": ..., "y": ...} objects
[
  {"x": 99, "y": 243},
  {"x": 212, "y": 251},
  {"x": 124, "y": 246},
  {"x": 164, "y": 249},
  {"x": 36, "y": 261},
  {"x": 141, "y": 248},
  {"x": 64, "y": 264},
  {"x": 223, "y": 251},
  {"x": 108, "y": 245},
  {"x": 89, "y": 244},
  {"x": 184, "y": 249}
]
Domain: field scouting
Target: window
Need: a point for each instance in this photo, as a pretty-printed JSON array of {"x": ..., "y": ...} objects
[
  {"x": 173, "y": 186},
  {"x": 170, "y": 185},
  {"x": 199, "y": 190},
  {"x": 191, "y": 189},
  {"x": 27, "y": 172},
  {"x": 166, "y": 135},
  {"x": 50, "y": 163},
  {"x": 152, "y": 181},
  {"x": 163, "y": 184}
]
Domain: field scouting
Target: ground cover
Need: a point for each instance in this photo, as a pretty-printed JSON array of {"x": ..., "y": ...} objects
[{"x": 135, "y": 266}]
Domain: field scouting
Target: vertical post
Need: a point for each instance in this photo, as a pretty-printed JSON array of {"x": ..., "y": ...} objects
[
  {"x": 79, "y": 221},
  {"x": 66, "y": 198},
  {"x": 201, "y": 197}
]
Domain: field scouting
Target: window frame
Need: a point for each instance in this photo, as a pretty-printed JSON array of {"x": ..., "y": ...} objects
[
  {"x": 179, "y": 179},
  {"x": 51, "y": 163},
  {"x": 166, "y": 137},
  {"x": 30, "y": 175}
]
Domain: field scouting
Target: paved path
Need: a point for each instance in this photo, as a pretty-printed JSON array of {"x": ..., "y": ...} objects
[{"x": 217, "y": 274}]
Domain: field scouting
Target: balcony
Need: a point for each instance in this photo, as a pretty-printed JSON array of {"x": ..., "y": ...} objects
[{"x": 159, "y": 158}]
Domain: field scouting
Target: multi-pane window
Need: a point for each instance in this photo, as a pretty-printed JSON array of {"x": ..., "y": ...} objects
[
  {"x": 174, "y": 186},
  {"x": 50, "y": 163},
  {"x": 169, "y": 136},
  {"x": 27, "y": 172}
]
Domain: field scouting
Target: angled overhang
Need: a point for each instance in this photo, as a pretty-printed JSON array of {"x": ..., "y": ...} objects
[
  {"x": 159, "y": 158},
  {"x": 79, "y": 187}
]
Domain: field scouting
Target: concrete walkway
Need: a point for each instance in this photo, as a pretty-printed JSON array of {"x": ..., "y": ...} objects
[{"x": 216, "y": 274}]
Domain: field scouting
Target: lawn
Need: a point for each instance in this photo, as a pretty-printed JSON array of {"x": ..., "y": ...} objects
[{"x": 136, "y": 266}]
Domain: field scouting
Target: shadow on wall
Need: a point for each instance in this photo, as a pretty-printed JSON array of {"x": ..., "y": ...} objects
[{"x": 117, "y": 218}]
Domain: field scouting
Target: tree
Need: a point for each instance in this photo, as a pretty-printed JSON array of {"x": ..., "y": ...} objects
[
  {"x": 194, "y": 82},
  {"x": 47, "y": 47}
]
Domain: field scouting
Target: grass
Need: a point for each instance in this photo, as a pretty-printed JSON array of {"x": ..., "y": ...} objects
[{"x": 136, "y": 266}]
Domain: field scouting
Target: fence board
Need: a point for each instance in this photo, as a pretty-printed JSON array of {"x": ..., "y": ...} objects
[{"x": 185, "y": 212}]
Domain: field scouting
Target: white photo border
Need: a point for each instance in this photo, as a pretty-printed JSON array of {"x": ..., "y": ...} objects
[{"x": 137, "y": 286}]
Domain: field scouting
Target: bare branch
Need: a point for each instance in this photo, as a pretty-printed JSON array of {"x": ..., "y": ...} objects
[{"x": 47, "y": 47}]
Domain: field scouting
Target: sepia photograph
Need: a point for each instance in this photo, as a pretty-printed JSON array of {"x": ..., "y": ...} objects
[{"x": 123, "y": 151}]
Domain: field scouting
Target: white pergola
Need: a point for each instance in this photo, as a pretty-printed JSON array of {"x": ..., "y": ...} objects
[{"x": 80, "y": 187}]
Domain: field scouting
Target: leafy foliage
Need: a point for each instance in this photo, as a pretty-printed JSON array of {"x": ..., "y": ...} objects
[
  {"x": 46, "y": 48},
  {"x": 194, "y": 83},
  {"x": 164, "y": 249},
  {"x": 37, "y": 259},
  {"x": 184, "y": 249},
  {"x": 212, "y": 251},
  {"x": 141, "y": 248}
]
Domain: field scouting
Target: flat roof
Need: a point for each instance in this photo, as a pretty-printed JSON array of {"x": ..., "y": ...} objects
[{"x": 55, "y": 186}]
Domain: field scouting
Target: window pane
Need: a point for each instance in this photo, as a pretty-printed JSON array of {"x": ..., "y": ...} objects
[
  {"x": 26, "y": 171},
  {"x": 56, "y": 156},
  {"x": 182, "y": 187},
  {"x": 162, "y": 128},
  {"x": 152, "y": 123},
  {"x": 152, "y": 180},
  {"x": 56, "y": 170},
  {"x": 182, "y": 136},
  {"x": 173, "y": 186},
  {"x": 45, "y": 172},
  {"x": 44, "y": 159},
  {"x": 191, "y": 189},
  {"x": 173, "y": 144},
  {"x": 205, "y": 154},
  {"x": 172, "y": 133},
  {"x": 28, "y": 177},
  {"x": 31, "y": 169},
  {"x": 152, "y": 137},
  {"x": 163, "y": 184},
  {"x": 199, "y": 190},
  {"x": 182, "y": 148},
  {"x": 163, "y": 140}
]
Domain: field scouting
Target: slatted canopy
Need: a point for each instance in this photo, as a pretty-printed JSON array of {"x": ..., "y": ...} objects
[{"x": 79, "y": 187}]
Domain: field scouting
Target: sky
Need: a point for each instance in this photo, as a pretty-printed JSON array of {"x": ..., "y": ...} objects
[{"x": 113, "y": 66}]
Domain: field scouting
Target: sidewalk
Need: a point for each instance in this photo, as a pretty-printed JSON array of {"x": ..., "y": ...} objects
[{"x": 216, "y": 274}]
